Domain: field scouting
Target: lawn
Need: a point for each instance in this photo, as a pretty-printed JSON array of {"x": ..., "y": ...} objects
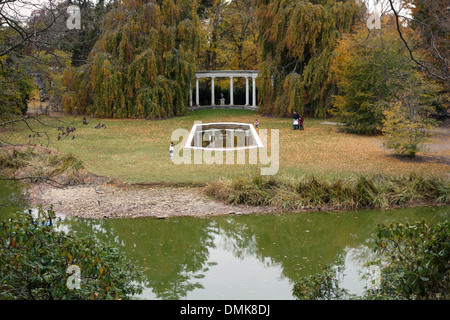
[{"x": 137, "y": 151}]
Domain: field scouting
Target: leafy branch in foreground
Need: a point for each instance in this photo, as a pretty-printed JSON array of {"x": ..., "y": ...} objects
[
  {"x": 322, "y": 286},
  {"x": 419, "y": 266},
  {"x": 35, "y": 257},
  {"x": 413, "y": 263}
]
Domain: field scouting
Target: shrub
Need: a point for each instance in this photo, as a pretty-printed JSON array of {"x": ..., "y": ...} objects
[
  {"x": 418, "y": 260},
  {"x": 40, "y": 162},
  {"x": 35, "y": 258},
  {"x": 413, "y": 260}
]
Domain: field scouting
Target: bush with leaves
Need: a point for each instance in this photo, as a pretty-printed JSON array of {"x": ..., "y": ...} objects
[
  {"x": 16, "y": 85},
  {"x": 419, "y": 264},
  {"x": 35, "y": 258},
  {"x": 413, "y": 263},
  {"x": 322, "y": 286}
]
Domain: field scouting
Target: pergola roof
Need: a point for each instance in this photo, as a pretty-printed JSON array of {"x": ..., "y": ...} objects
[{"x": 226, "y": 73}]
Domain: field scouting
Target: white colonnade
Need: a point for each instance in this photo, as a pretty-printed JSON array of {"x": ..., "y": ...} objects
[{"x": 231, "y": 74}]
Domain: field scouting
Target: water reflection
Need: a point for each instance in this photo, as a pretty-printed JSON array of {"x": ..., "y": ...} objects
[
  {"x": 12, "y": 197},
  {"x": 247, "y": 257}
]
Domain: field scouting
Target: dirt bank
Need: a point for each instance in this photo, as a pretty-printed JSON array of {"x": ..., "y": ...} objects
[{"x": 103, "y": 201}]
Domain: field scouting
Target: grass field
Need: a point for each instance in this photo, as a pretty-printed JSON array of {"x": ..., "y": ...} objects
[{"x": 137, "y": 151}]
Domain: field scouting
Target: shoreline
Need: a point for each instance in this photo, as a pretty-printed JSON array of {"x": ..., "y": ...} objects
[
  {"x": 119, "y": 201},
  {"x": 106, "y": 200},
  {"x": 75, "y": 192}
]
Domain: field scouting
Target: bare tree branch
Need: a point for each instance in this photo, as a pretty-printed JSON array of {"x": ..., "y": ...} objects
[
  {"x": 15, "y": 24},
  {"x": 409, "y": 48},
  {"x": 47, "y": 180}
]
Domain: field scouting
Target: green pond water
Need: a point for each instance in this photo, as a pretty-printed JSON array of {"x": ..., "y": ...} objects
[{"x": 252, "y": 257}]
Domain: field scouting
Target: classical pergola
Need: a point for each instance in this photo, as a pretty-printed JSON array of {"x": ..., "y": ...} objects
[{"x": 247, "y": 74}]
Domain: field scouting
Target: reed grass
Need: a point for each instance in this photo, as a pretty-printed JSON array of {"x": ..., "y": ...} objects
[
  {"x": 41, "y": 163},
  {"x": 352, "y": 192}
]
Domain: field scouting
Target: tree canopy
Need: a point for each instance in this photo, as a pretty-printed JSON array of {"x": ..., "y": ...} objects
[
  {"x": 229, "y": 36},
  {"x": 137, "y": 58},
  {"x": 297, "y": 39},
  {"x": 374, "y": 72},
  {"x": 142, "y": 64}
]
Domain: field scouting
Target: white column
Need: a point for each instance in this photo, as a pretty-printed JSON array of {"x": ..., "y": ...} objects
[
  {"x": 190, "y": 94},
  {"x": 212, "y": 92},
  {"x": 246, "y": 91},
  {"x": 197, "y": 98},
  {"x": 254, "y": 91},
  {"x": 231, "y": 92}
]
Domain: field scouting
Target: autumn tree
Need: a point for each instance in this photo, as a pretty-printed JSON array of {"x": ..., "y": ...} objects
[
  {"x": 49, "y": 74},
  {"x": 406, "y": 127},
  {"x": 240, "y": 33},
  {"x": 373, "y": 73},
  {"x": 209, "y": 56},
  {"x": 16, "y": 85},
  {"x": 229, "y": 36},
  {"x": 408, "y": 121},
  {"x": 142, "y": 64},
  {"x": 16, "y": 58},
  {"x": 298, "y": 39},
  {"x": 367, "y": 65}
]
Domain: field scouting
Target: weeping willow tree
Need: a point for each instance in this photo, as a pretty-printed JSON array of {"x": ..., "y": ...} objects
[
  {"x": 298, "y": 38},
  {"x": 142, "y": 64}
]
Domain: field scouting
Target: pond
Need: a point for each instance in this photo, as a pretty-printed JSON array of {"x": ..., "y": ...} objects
[{"x": 253, "y": 257}]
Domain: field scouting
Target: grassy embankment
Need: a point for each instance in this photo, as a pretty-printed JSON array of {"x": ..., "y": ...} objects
[
  {"x": 321, "y": 157},
  {"x": 40, "y": 164},
  {"x": 363, "y": 191}
]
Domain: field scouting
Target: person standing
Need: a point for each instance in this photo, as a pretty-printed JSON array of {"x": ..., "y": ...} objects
[
  {"x": 296, "y": 117},
  {"x": 301, "y": 122},
  {"x": 171, "y": 151}
]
